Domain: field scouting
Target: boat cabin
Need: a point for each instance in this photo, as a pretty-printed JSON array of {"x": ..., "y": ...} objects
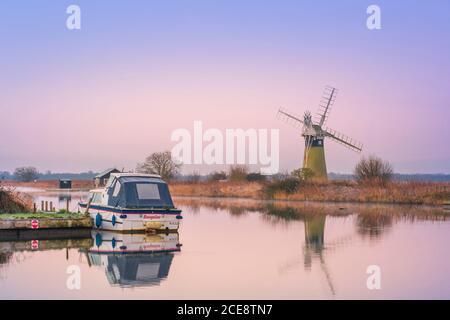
[{"x": 133, "y": 191}]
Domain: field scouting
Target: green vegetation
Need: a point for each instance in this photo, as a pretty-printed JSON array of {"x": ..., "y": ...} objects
[
  {"x": 287, "y": 186},
  {"x": 238, "y": 173},
  {"x": 217, "y": 176},
  {"x": 255, "y": 177},
  {"x": 241, "y": 173},
  {"x": 304, "y": 174},
  {"x": 41, "y": 215}
]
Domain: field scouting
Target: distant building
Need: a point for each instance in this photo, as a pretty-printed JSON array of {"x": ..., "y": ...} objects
[
  {"x": 101, "y": 179},
  {"x": 65, "y": 184}
]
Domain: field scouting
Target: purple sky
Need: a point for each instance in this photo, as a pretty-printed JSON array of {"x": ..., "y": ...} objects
[{"x": 112, "y": 93}]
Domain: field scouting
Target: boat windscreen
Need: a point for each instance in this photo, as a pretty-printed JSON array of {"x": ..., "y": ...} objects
[{"x": 140, "y": 194}]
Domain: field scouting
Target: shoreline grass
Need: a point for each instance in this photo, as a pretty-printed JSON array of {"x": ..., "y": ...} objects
[{"x": 40, "y": 215}]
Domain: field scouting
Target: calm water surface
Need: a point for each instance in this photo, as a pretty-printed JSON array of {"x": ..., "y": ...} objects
[{"x": 243, "y": 249}]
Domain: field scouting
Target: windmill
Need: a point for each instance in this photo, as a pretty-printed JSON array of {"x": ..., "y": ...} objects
[{"x": 314, "y": 133}]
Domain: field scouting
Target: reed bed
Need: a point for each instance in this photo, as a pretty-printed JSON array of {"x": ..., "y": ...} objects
[
  {"x": 13, "y": 202},
  {"x": 419, "y": 193}
]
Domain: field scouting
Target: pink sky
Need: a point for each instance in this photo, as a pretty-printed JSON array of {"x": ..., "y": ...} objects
[{"x": 102, "y": 97}]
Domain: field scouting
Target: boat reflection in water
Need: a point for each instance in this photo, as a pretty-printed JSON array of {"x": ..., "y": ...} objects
[{"x": 132, "y": 260}]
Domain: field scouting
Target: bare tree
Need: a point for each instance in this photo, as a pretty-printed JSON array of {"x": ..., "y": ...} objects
[
  {"x": 160, "y": 163},
  {"x": 26, "y": 174},
  {"x": 373, "y": 170}
]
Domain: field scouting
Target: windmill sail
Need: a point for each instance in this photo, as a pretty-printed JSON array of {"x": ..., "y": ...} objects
[
  {"x": 327, "y": 101},
  {"x": 290, "y": 118},
  {"x": 343, "y": 139}
]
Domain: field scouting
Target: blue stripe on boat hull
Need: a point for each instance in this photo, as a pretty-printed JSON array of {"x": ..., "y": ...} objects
[{"x": 130, "y": 211}]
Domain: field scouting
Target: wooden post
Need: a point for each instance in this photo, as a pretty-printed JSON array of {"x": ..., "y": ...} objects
[
  {"x": 46, "y": 206},
  {"x": 42, "y": 205},
  {"x": 67, "y": 205},
  {"x": 34, "y": 207},
  {"x": 51, "y": 205}
]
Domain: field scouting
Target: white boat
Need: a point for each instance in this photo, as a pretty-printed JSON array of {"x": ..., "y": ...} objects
[{"x": 133, "y": 202}]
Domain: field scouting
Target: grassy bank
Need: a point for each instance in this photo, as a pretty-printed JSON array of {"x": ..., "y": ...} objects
[
  {"x": 40, "y": 215},
  {"x": 329, "y": 191}
]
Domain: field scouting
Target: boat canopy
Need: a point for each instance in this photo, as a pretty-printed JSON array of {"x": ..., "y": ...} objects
[{"x": 139, "y": 192}]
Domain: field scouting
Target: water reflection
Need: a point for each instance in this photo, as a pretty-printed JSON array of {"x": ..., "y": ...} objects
[
  {"x": 242, "y": 249},
  {"x": 371, "y": 221},
  {"x": 129, "y": 260},
  {"x": 18, "y": 245},
  {"x": 132, "y": 260},
  {"x": 60, "y": 199}
]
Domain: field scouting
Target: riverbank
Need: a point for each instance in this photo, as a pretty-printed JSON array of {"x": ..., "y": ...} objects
[
  {"x": 34, "y": 221},
  {"x": 417, "y": 193}
]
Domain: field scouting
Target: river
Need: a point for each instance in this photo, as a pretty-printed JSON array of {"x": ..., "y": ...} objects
[{"x": 242, "y": 249}]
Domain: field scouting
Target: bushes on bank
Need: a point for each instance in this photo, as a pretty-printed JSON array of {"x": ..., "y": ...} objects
[
  {"x": 287, "y": 185},
  {"x": 304, "y": 174},
  {"x": 217, "y": 176},
  {"x": 11, "y": 203},
  {"x": 373, "y": 171},
  {"x": 238, "y": 173},
  {"x": 255, "y": 177}
]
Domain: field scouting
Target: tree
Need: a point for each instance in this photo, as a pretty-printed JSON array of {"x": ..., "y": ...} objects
[
  {"x": 373, "y": 170},
  {"x": 160, "y": 163},
  {"x": 26, "y": 174}
]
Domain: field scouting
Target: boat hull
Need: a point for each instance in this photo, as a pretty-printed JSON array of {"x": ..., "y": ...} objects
[{"x": 134, "y": 220}]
